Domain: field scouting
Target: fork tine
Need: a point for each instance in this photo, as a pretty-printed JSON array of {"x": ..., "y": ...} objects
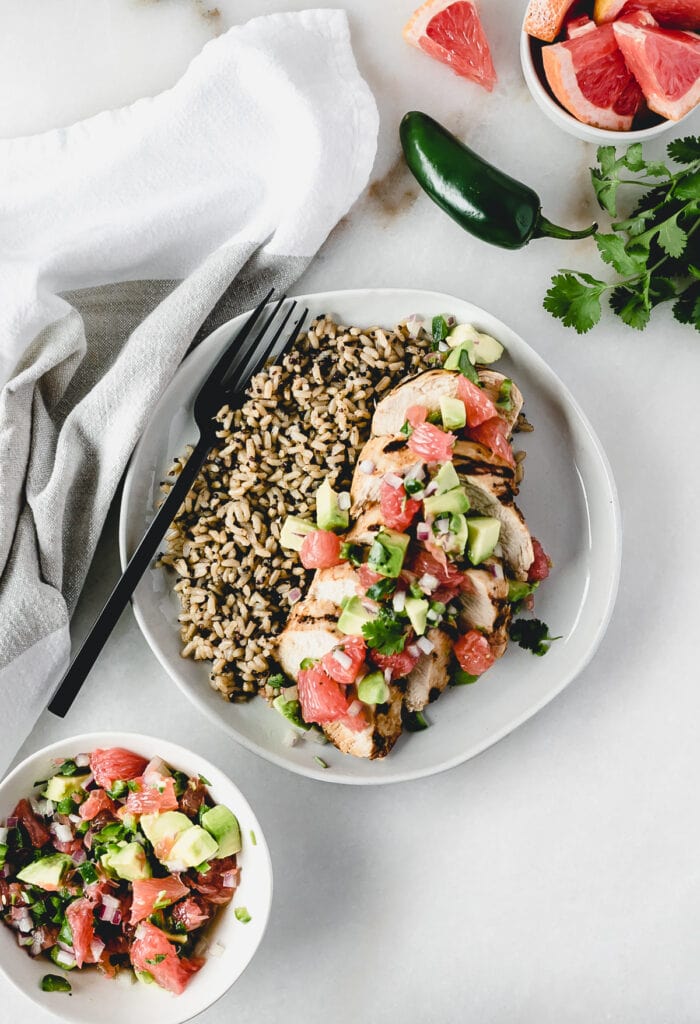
[
  {"x": 280, "y": 351},
  {"x": 259, "y": 356},
  {"x": 233, "y": 353},
  {"x": 250, "y": 344}
]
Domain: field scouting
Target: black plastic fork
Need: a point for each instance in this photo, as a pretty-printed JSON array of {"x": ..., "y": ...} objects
[{"x": 244, "y": 357}]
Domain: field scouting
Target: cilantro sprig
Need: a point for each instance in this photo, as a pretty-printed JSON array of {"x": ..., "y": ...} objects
[
  {"x": 533, "y": 635},
  {"x": 655, "y": 250},
  {"x": 385, "y": 634}
]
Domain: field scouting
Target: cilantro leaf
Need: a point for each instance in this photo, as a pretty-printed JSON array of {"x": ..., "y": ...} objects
[
  {"x": 605, "y": 189},
  {"x": 661, "y": 289},
  {"x": 634, "y": 157},
  {"x": 686, "y": 309},
  {"x": 612, "y": 250},
  {"x": 466, "y": 368},
  {"x": 684, "y": 151},
  {"x": 575, "y": 299},
  {"x": 607, "y": 159},
  {"x": 532, "y": 635},
  {"x": 671, "y": 237},
  {"x": 688, "y": 187},
  {"x": 385, "y": 633},
  {"x": 440, "y": 328},
  {"x": 632, "y": 305}
]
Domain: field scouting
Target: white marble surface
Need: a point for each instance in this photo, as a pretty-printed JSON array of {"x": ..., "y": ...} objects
[{"x": 555, "y": 878}]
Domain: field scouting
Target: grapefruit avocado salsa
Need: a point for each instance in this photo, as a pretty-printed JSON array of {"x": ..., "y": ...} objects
[{"x": 119, "y": 863}]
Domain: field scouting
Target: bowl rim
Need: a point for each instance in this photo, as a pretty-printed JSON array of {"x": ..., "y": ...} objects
[
  {"x": 558, "y": 115},
  {"x": 90, "y": 741}
]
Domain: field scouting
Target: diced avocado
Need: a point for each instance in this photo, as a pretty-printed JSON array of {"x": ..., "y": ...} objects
[
  {"x": 460, "y": 534},
  {"x": 373, "y": 689},
  {"x": 447, "y": 478},
  {"x": 387, "y": 553},
  {"x": 518, "y": 591},
  {"x": 291, "y": 710},
  {"x": 452, "y": 362},
  {"x": 454, "y": 501},
  {"x": 61, "y": 786},
  {"x": 453, "y": 412},
  {"x": 47, "y": 872},
  {"x": 417, "y": 611},
  {"x": 329, "y": 515},
  {"x": 484, "y": 532},
  {"x": 462, "y": 334},
  {"x": 169, "y": 824},
  {"x": 223, "y": 825},
  {"x": 293, "y": 532},
  {"x": 129, "y": 862},
  {"x": 487, "y": 349},
  {"x": 194, "y": 847},
  {"x": 353, "y": 617}
]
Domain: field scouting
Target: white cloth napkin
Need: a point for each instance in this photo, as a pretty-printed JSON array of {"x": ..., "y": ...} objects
[{"x": 118, "y": 236}]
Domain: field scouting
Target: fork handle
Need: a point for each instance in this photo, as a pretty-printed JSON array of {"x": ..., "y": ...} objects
[{"x": 117, "y": 601}]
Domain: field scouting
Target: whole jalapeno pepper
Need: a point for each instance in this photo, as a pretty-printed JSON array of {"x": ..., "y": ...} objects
[{"x": 483, "y": 200}]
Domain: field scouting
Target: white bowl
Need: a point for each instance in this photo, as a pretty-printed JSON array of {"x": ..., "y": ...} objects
[
  {"x": 534, "y": 78},
  {"x": 568, "y": 497},
  {"x": 95, "y": 998}
]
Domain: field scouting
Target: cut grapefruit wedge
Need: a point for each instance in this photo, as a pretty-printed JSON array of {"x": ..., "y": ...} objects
[
  {"x": 451, "y": 32},
  {"x": 669, "y": 13},
  {"x": 589, "y": 77},
  {"x": 544, "y": 18},
  {"x": 666, "y": 63}
]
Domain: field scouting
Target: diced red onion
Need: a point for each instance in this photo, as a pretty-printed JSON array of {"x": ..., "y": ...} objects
[
  {"x": 423, "y": 531},
  {"x": 176, "y": 865},
  {"x": 97, "y": 948},
  {"x": 393, "y": 480},
  {"x": 442, "y": 525},
  {"x": 23, "y": 922},
  {"x": 11, "y": 822},
  {"x": 371, "y": 606},
  {"x": 443, "y": 346},
  {"x": 75, "y": 818},
  {"x": 5, "y": 871},
  {"x": 414, "y": 324},
  {"x": 415, "y": 472},
  {"x": 497, "y": 570},
  {"x": 88, "y": 780},
  {"x": 294, "y": 595},
  {"x": 82, "y": 760},
  {"x": 413, "y": 650},
  {"x": 111, "y": 902},
  {"x": 66, "y": 947},
  {"x": 229, "y": 879},
  {"x": 37, "y": 942},
  {"x": 451, "y": 321},
  {"x": 66, "y": 959},
  {"x": 433, "y": 616},
  {"x": 451, "y": 609},
  {"x": 290, "y": 693},
  {"x": 3, "y": 834},
  {"x": 64, "y": 833},
  {"x": 343, "y": 659},
  {"x": 87, "y": 839},
  {"x": 355, "y": 708},
  {"x": 426, "y": 646},
  {"x": 418, "y": 495},
  {"x": 428, "y": 583},
  {"x": 80, "y": 856},
  {"x": 110, "y": 915},
  {"x": 344, "y": 501},
  {"x": 431, "y": 488},
  {"x": 366, "y": 466},
  {"x": 399, "y": 600},
  {"x": 388, "y": 672}
]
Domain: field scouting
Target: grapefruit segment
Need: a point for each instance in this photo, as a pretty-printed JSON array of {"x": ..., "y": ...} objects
[
  {"x": 669, "y": 13},
  {"x": 153, "y": 953},
  {"x": 544, "y": 18},
  {"x": 665, "y": 62},
  {"x": 589, "y": 77},
  {"x": 451, "y": 32},
  {"x": 149, "y": 892}
]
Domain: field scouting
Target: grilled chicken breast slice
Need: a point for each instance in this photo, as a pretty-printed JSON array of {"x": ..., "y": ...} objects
[
  {"x": 334, "y": 584},
  {"x": 382, "y": 732},
  {"x": 311, "y": 632},
  {"x": 427, "y": 389},
  {"x": 387, "y": 455},
  {"x": 430, "y": 675},
  {"x": 485, "y": 607}
]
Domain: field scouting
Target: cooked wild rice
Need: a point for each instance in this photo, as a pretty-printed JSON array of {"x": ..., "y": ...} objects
[{"x": 304, "y": 421}]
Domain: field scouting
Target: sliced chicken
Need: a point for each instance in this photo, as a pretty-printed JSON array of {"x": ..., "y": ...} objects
[
  {"x": 380, "y": 455},
  {"x": 380, "y": 735},
  {"x": 334, "y": 584},
  {"x": 485, "y": 607},
  {"x": 473, "y": 460},
  {"x": 515, "y": 540},
  {"x": 431, "y": 673},
  {"x": 310, "y": 632},
  {"x": 427, "y": 389}
]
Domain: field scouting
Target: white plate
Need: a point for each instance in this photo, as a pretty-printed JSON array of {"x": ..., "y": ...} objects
[
  {"x": 95, "y": 998},
  {"x": 568, "y": 498}
]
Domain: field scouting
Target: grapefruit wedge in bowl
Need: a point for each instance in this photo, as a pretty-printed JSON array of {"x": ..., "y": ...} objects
[{"x": 599, "y": 68}]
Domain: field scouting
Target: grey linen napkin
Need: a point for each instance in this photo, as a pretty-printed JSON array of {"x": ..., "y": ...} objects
[{"x": 122, "y": 273}]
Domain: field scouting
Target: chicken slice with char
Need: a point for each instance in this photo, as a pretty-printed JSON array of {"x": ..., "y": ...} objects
[{"x": 430, "y": 675}]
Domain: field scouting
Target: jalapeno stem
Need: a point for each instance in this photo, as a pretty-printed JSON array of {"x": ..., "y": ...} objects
[{"x": 545, "y": 229}]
